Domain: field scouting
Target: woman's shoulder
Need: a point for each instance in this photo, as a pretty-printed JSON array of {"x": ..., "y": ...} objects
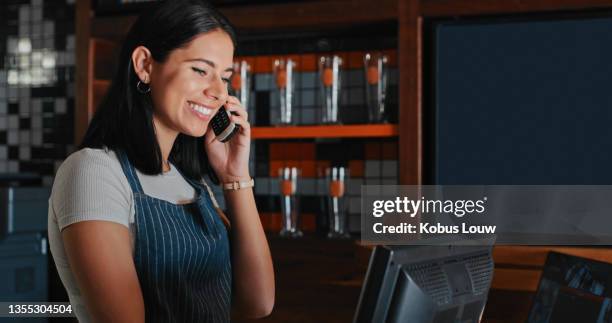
[
  {"x": 91, "y": 185},
  {"x": 90, "y": 157},
  {"x": 90, "y": 162}
]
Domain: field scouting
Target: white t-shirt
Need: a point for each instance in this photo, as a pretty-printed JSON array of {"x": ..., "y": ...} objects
[{"x": 90, "y": 185}]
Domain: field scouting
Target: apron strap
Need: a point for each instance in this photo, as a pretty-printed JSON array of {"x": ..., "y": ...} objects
[{"x": 130, "y": 172}]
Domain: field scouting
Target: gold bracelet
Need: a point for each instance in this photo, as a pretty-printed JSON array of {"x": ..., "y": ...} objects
[{"x": 233, "y": 186}]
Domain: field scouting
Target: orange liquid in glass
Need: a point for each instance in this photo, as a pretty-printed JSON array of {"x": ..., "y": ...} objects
[
  {"x": 336, "y": 188},
  {"x": 281, "y": 79},
  {"x": 327, "y": 77},
  {"x": 236, "y": 82},
  {"x": 286, "y": 187},
  {"x": 372, "y": 75}
]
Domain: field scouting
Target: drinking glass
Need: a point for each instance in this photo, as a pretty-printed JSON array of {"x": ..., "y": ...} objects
[
  {"x": 329, "y": 85},
  {"x": 241, "y": 84},
  {"x": 375, "y": 65},
  {"x": 288, "y": 177},
  {"x": 337, "y": 206},
  {"x": 284, "y": 70}
]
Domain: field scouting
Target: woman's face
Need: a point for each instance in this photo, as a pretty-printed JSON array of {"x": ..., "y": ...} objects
[{"x": 191, "y": 85}]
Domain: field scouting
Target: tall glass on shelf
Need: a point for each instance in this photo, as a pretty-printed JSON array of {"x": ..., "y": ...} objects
[
  {"x": 336, "y": 178},
  {"x": 329, "y": 87},
  {"x": 376, "y": 71},
  {"x": 284, "y": 74},
  {"x": 241, "y": 84},
  {"x": 288, "y": 177}
]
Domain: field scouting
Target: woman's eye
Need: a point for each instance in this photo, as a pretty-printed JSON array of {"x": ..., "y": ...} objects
[
  {"x": 199, "y": 71},
  {"x": 226, "y": 80}
]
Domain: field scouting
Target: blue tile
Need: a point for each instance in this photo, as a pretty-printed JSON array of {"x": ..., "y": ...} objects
[
  {"x": 308, "y": 115},
  {"x": 372, "y": 169},
  {"x": 262, "y": 185},
  {"x": 389, "y": 168},
  {"x": 307, "y": 186},
  {"x": 309, "y": 80},
  {"x": 274, "y": 186},
  {"x": 263, "y": 82},
  {"x": 274, "y": 99},
  {"x": 308, "y": 97}
]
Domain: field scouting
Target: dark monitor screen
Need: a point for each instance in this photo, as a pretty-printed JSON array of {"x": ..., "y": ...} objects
[
  {"x": 437, "y": 284},
  {"x": 519, "y": 100},
  {"x": 573, "y": 289}
]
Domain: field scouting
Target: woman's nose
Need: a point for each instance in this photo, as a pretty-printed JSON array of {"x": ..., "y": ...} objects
[{"x": 217, "y": 90}]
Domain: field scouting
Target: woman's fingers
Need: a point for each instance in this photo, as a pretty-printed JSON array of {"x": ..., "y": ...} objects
[
  {"x": 234, "y": 100},
  {"x": 240, "y": 120},
  {"x": 234, "y": 105},
  {"x": 244, "y": 124}
]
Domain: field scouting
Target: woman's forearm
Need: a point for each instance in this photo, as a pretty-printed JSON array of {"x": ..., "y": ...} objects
[{"x": 251, "y": 259}]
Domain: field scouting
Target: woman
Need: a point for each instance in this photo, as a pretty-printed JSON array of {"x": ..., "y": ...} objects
[{"x": 134, "y": 231}]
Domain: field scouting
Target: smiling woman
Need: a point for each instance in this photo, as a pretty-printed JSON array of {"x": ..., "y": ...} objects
[
  {"x": 191, "y": 83},
  {"x": 134, "y": 229}
]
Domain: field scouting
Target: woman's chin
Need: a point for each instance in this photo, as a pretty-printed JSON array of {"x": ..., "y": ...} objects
[{"x": 197, "y": 132}]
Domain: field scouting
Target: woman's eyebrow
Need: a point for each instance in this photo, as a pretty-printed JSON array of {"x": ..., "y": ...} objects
[{"x": 211, "y": 63}]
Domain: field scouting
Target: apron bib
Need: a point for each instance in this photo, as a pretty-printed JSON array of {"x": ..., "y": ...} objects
[{"x": 182, "y": 256}]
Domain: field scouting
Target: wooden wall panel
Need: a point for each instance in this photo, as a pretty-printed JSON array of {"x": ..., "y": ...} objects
[
  {"x": 410, "y": 100},
  {"x": 451, "y": 8}
]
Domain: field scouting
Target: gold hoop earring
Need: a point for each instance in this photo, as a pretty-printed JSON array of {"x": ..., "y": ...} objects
[{"x": 145, "y": 90}]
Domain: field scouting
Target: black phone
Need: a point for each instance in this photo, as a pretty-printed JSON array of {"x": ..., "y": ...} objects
[{"x": 222, "y": 126}]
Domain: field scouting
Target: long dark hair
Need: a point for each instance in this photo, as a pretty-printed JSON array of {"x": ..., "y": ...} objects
[{"x": 124, "y": 118}]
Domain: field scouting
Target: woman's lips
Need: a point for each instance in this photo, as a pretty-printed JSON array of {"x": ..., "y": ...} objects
[{"x": 202, "y": 112}]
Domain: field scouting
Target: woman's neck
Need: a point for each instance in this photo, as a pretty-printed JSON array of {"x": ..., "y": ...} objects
[
  {"x": 165, "y": 139},
  {"x": 166, "y": 166}
]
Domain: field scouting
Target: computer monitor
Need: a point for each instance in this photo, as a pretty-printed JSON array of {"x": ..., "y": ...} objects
[
  {"x": 573, "y": 289},
  {"x": 426, "y": 284}
]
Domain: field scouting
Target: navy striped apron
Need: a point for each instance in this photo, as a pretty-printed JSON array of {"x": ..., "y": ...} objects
[{"x": 182, "y": 256}]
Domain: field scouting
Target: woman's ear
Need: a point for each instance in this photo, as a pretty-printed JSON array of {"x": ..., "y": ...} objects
[{"x": 142, "y": 62}]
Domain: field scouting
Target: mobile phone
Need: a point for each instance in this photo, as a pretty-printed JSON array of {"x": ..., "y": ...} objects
[{"x": 222, "y": 126}]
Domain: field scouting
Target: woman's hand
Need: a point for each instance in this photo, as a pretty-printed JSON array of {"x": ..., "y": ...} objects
[{"x": 230, "y": 160}]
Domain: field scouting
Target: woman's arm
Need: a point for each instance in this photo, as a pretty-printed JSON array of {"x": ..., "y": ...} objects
[
  {"x": 251, "y": 260},
  {"x": 100, "y": 257}
]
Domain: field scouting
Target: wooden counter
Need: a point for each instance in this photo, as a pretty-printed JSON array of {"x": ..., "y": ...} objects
[{"x": 317, "y": 280}]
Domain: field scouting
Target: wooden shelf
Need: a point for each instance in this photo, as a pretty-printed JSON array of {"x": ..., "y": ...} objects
[
  {"x": 331, "y": 131},
  {"x": 273, "y": 17}
]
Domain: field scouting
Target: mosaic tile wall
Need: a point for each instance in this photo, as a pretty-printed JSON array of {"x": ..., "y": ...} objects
[
  {"x": 36, "y": 85},
  {"x": 369, "y": 161}
]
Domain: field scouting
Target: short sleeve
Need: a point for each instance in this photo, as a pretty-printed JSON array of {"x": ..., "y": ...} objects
[{"x": 88, "y": 186}]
